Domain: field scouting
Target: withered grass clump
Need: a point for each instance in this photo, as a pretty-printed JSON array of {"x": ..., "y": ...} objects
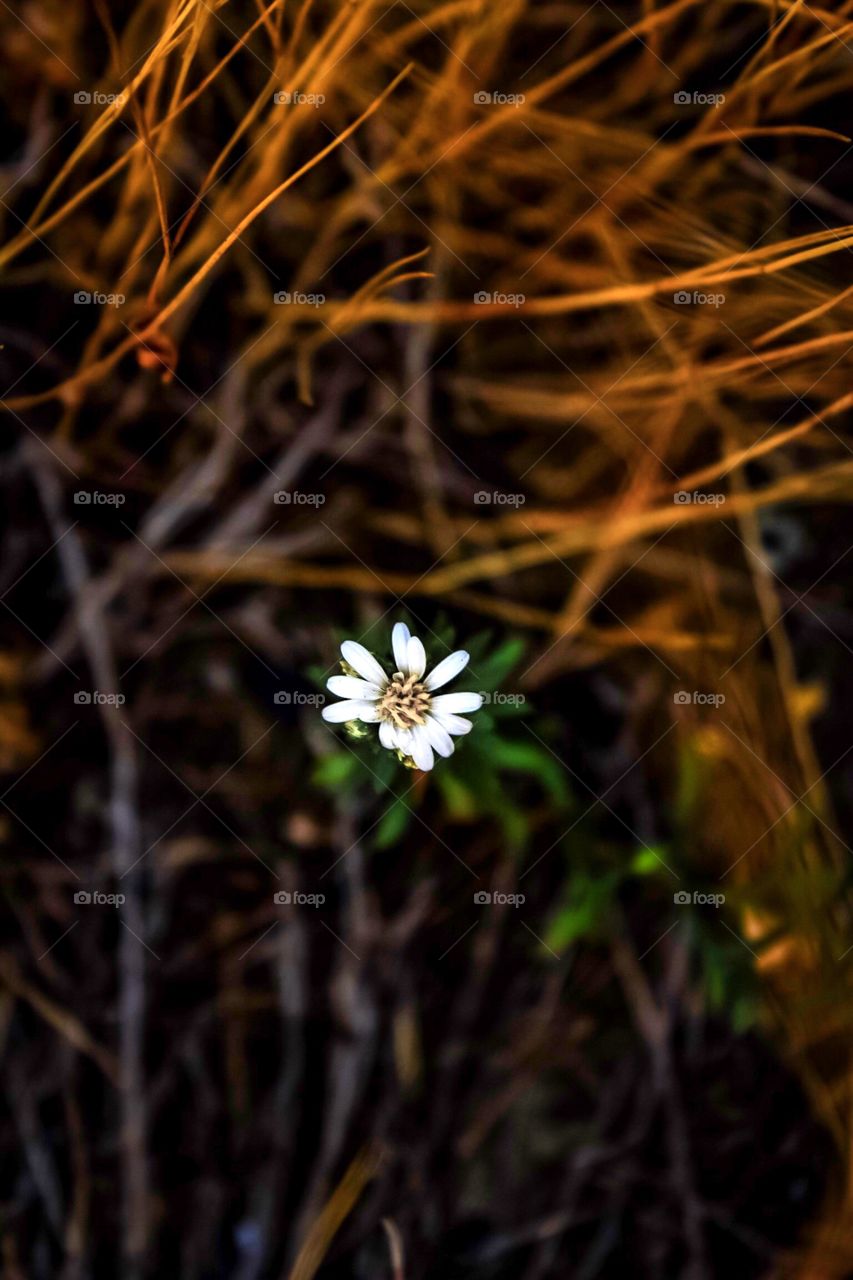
[{"x": 553, "y": 306}]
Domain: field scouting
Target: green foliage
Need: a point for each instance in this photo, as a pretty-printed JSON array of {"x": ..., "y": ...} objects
[
  {"x": 599, "y": 888},
  {"x": 498, "y": 773},
  {"x": 586, "y": 910},
  {"x": 336, "y": 771},
  {"x": 495, "y": 771},
  {"x": 726, "y": 973},
  {"x": 647, "y": 861},
  {"x": 392, "y": 825},
  {"x": 530, "y": 758}
]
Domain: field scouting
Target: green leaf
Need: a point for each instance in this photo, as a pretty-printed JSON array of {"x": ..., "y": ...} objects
[
  {"x": 384, "y": 767},
  {"x": 319, "y": 674},
  {"x": 530, "y": 758},
  {"x": 460, "y": 801},
  {"x": 647, "y": 862},
  {"x": 493, "y": 669},
  {"x": 588, "y": 905},
  {"x": 689, "y": 785},
  {"x": 338, "y": 769},
  {"x": 514, "y": 823},
  {"x": 394, "y": 822}
]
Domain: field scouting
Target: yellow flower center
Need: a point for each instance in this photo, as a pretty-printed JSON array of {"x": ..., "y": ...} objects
[{"x": 405, "y": 701}]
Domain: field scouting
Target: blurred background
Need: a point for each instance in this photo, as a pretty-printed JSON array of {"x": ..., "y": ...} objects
[{"x": 528, "y": 325}]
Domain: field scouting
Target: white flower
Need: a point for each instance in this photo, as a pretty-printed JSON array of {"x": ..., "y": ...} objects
[{"x": 411, "y": 718}]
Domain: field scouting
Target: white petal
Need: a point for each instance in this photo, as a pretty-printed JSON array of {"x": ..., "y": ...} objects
[
  {"x": 400, "y": 644},
  {"x": 416, "y": 658},
  {"x": 440, "y": 739},
  {"x": 453, "y": 724},
  {"x": 421, "y": 749},
  {"x": 457, "y": 702},
  {"x": 363, "y": 662},
  {"x": 447, "y": 669},
  {"x": 350, "y": 687},
  {"x": 369, "y": 712},
  {"x": 404, "y": 741},
  {"x": 387, "y": 735},
  {"x": 352, "y": 709}
]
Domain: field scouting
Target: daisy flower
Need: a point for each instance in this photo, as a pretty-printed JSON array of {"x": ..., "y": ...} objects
[{"x": 411, "y": 718}]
